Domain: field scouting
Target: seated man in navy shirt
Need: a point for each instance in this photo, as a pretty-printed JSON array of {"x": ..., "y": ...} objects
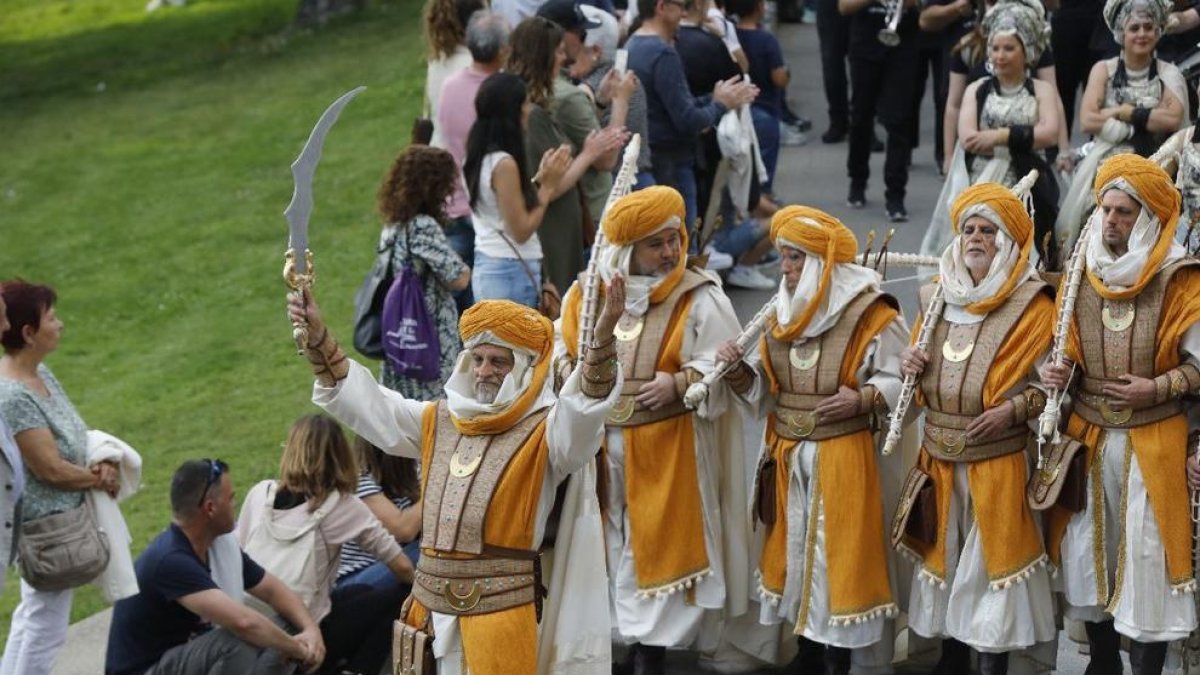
[{"x": 188, "y": 617}]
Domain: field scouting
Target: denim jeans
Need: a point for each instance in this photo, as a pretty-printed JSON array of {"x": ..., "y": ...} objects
[
  {"x": 766, "y": 127},
  {"x": 461, "y": 235},
  {"x": 677, "y": 171},
  {"x": 506, "y": 279}
]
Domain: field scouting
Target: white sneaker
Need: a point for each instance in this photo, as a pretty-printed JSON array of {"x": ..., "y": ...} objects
[
  {"x": 791, "y": 137},
  {"x": 717, "y": 260},
  {"x": 748, "y": 277}
]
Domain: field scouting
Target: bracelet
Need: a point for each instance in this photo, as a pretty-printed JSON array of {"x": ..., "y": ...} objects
[
  {"x": 684, "y": 379},
  {"x": 740, "y": 378}
]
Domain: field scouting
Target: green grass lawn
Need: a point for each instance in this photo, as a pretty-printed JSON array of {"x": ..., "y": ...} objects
[{"x": 144, "y": 174}]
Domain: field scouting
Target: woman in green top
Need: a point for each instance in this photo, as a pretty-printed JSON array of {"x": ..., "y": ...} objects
[{"x": 52, "y": 439}]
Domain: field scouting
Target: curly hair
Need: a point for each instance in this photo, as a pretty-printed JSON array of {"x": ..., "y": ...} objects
[
  {"x": 446, "y": 25},
  {"x": 419, "y": 181},
  {"x": 533, "y": 45}
]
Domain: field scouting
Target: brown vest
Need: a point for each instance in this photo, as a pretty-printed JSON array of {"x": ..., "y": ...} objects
[
  {"x": 809, "y": 371},
  {"x": 1109, "y": 354},
  {"x": 640, "y": 341},
  {"x": 961, "y": 356},
  {"x": 463, "y": 475}
]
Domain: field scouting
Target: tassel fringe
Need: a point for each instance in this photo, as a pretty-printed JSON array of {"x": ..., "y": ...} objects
[
  {"x": 1020, "y": 577},
  {"x": 889, "y": 610},
  {"x": 768, "y": 597},
  {"x": 1188, "y": 586},
  {"x": 673, "y": 588},
  {"x": 930, "y": 578}
]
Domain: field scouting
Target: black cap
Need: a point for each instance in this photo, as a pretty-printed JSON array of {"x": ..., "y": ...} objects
[{"x": 567, "y": 14}]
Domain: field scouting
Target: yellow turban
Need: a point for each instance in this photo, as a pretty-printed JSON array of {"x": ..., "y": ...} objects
[
  {"x": 640, "y": 214},
  {"x": 1015, "y": 221},
  {"x": 519, "y": 326},
  {"x": 1156, "y": 191},
  {"x": 820, "y": 235}
]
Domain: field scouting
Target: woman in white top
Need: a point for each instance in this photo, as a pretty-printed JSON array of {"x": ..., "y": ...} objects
[{"x": 507, "y": 205}]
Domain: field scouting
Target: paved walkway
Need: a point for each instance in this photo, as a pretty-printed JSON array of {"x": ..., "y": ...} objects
[{"x": 813, "y": 174}]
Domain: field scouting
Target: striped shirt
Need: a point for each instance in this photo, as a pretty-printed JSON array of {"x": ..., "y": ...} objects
[{"x": 353, "y": 557}]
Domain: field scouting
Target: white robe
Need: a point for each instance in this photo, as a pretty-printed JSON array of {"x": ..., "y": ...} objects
[
  {"x": 881, "y": 368},
  {"x": 667, "y": 620},
  {"x": 573, "y": 431},
  {"x": 1146, "y": 609}
]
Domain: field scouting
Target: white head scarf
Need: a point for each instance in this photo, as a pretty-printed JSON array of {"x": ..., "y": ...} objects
[
  {"x": 460, "y": 388},
  {"x": 958, "y": 288},
  {"x": 1120, "y": 272},
  {"x": 847, "y": 283},
  {"x": 612, "y": 260}
]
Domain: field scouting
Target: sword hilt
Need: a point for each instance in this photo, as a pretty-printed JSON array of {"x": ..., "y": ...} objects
[{"x": 297, "y": 282}]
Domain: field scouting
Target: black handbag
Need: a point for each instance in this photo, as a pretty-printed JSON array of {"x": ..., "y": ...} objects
[{"x": 368, "y": 304}]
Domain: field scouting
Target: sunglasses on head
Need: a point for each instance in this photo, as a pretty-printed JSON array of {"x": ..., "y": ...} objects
[{"x": 215, "y": 468}]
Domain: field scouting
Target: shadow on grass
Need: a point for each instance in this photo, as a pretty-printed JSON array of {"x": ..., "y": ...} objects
[{"x": 142, "y": 51}]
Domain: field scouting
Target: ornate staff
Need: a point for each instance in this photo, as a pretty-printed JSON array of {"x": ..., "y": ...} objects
[
  {"x": 590, "y": 304},
  {"x": 933, "y": 314},
  {"x": 298, "y": 271},
  {"x": 867, "y": 249},
  {"x": 1048, "y": 421},
  {"x": 762, "y": 321},
  {"x": 891, "y": 259}
]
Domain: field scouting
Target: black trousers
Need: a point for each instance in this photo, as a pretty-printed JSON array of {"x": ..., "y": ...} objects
[
  {"x": 931, "y": 64},
  {"x": 833, "y": 31},
  {"x": 883, "y": 88},
  {"x": 1074, "y": 56}
]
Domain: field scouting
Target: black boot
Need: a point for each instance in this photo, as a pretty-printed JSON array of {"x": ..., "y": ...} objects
[
  {"x": 837, "y": 661},
  {"x": 955, "y": 658},
  {"x": 993, "y": 664},
  {"x": 810, "y": 660},
  {"x": 1105, "y": 648},
  {"x": 1147, "y": 658},
  {"x": 648, "y": 660}
]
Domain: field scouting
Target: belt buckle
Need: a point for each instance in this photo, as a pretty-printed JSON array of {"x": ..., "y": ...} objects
[
  {"x": 1114, "y": 416},
  {"x": 948, "y": 443},
  {"x": 801, "y": 424},
  {"x": 622, "y": 410},
  {"x": 460, "y": 601}
]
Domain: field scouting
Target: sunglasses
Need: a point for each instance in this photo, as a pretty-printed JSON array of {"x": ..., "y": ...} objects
[{"x": 215, "y": 468}]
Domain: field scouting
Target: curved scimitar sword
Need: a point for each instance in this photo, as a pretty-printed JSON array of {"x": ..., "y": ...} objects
[{"x": 297, "y": 268}]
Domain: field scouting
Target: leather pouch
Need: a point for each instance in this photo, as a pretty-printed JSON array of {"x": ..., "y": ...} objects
[
  {"x": 1062, "y": 479},
  {"x": 764, "y": 503},
  {"x": 412, "y": 648},
  {"x": 916, "y": 517}
]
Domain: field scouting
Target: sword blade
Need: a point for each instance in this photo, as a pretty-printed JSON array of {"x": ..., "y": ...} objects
[{"x": 303, "y": 169}]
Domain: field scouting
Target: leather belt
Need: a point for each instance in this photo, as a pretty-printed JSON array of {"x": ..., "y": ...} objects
[
  {"x": 474, "y": 586},
  {"x": 799, "y": 424},
  {"x": 949, "y": 443},
  {"x": 627, "y": 412},
  {"x": 1096, "y": 409}
]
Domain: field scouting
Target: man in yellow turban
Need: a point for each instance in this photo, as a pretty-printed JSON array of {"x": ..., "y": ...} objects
[
  {"x": 1126, "y": 558},
  {"x": 675, "y": 521},
  {"x": 981, "y": 581},
  {"x": 823, "y": 375},
  {"x": 493, "y": 455}
]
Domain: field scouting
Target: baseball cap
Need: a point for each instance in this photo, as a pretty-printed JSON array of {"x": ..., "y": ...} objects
[{"x": 567, "y": 14}]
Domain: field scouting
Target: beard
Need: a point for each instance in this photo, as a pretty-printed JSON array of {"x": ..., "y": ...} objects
[{"x": 486, "y": 392}]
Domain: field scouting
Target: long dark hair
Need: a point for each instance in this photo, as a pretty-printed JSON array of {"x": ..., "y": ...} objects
[
  {"x": 396, "y": 475},
  {"x": 533, "y": 48},
  {"x": 497, "y": 128}
]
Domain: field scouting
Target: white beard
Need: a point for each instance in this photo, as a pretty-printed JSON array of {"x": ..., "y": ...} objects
[{"x": 485, "y": 392}]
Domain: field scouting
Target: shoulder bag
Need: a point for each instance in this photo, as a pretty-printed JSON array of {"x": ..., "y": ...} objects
[
  {"x": 62, "y": 550},
  {"x": 412, "y": 647},
  {"x": 410, "y": 339},
  {"x": 549, "y": 299},
  {"x": 368, "y": 303}
]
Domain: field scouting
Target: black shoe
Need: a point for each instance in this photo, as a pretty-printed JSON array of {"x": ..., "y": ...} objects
[
  {"x": 955, "y": 658},
  {"x": 836, "y": 133},
  {"x": 876, "y": 144},
  {"x": 802, "y": 124},
  {"x": 837, "y": 661},
  {"x": 896, "y": 212},
  {"x": 1147, "y": 658},
  {"x": 1104, "y": 648},
  {"x": 648, "y": 660},
  {"x": 857, "y": 198},
  {"x": 810, "y": 660},
  {"x": 993, "y": 664}
]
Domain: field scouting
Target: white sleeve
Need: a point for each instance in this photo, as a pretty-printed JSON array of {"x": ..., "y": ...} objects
[
  {"x": 881, "y": 363},
  {"x": 575, "y": 426},
  {"x": 385, "y": 418},
  {"x": 712, "y": 322}
]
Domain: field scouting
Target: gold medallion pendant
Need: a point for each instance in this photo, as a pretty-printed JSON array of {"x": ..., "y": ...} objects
[
  {"x": 1119, "y": 321},
  {"x": 957, "y": 355},
  {"x": 629, "y": 333},
  {"x": 804, "y": 356},
  {"x": 800, "y": 424},
  {"x": 1115, "y": 415},
  {"x": 460, "y": 470},
  {"x": 622, "y": 410}
]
